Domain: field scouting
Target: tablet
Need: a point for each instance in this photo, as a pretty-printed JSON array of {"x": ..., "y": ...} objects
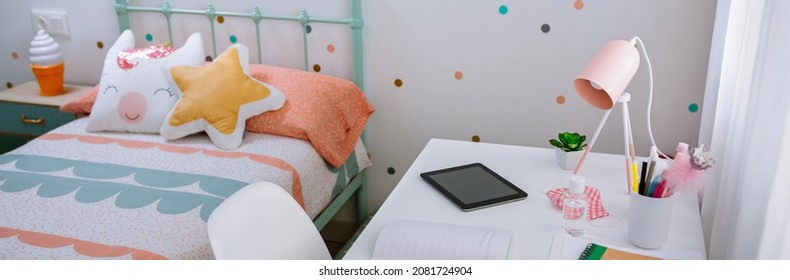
[{"x": 473, "y": 186}]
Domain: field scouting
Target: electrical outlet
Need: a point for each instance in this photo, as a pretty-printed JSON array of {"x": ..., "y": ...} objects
[{"x": 53, "y": 22}]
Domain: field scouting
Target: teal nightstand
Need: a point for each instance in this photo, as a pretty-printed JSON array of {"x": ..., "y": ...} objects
[{"x": 25, "y": 114}]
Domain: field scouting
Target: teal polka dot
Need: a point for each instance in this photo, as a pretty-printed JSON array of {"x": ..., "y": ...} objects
[
  {"x": 693, "y": 107},
  {"x": 503, "y": 9},
  {"x": 233, "y": 39},
  {"x": 149, "y": 37}
]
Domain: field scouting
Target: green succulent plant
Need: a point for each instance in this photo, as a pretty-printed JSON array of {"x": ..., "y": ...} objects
[{"x": 569, "y": 142}]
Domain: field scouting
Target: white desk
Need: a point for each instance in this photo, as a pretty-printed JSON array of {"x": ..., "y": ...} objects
[{"x": 534, "y": 220}]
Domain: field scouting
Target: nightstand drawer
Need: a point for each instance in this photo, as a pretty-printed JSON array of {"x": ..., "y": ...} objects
[{"x": 34, "y": 120}]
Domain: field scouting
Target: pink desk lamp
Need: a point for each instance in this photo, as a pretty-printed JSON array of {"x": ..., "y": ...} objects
[{"x": 603, "y": 82}]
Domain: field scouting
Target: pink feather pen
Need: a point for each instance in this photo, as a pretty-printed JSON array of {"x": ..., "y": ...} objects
[{"x": 684, "y": 173}]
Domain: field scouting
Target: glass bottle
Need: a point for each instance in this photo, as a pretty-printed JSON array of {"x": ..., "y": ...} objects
[{"x": 574, "y": 207}]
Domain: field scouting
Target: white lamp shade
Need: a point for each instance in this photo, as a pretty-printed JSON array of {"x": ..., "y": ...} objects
[{"x": 607, "y": 75}]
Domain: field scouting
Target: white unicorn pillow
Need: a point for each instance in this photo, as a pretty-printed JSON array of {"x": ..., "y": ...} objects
[{"x": 134, "y": 92}]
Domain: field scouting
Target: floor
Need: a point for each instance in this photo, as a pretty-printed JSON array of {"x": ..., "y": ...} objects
[{"x": 336, "y": 235}]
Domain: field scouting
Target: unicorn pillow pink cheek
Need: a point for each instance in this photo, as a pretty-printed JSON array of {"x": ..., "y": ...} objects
[
  {"x": 133, "y": 105},
  {"x": 134, "y": 92}
]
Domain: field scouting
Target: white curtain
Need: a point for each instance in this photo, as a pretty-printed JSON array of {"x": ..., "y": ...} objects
[{"x": 746, "y": 119}]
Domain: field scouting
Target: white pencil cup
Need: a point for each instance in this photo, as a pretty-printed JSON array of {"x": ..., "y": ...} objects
[{"x": 649, "y": 220}]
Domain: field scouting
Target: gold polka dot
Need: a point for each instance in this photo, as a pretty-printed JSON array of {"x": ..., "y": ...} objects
[
  {"x": 100, "y": 45},
  {"x": 317, "y": 68},
  {"x": 560, "y": 99},
  {"x": 9, "y": 85},
  {"x": 475, "y": 138},
  {"x": 398, "y": 83},
  {"x": 220, "y": 19}
]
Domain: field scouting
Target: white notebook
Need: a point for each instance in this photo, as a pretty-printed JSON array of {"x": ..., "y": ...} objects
[{"x": 417, "y": 240}]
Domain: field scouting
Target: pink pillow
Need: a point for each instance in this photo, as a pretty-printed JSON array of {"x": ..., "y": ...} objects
[
  {"x": 327, "y": 111},
  {"x": 83, "y": 104}
]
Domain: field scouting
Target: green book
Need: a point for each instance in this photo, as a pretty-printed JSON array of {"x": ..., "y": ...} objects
[{"x": 599, "y": 252}]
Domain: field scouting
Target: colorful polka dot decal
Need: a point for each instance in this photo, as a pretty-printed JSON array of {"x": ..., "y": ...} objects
[
  {"x": 330, "y": 48},
  {"x": 220, "y": 19},
  {"x": 503, "y": 9},
  {"x": 308, "y": 28},
  {"x": 545, "y": 28},
  {"x": 149, "y": 37},
  {"x": 458, "y": 75},
  {"x": 442, "y": 76},
  {"x": 693, "y": 107},
  {"x": 100, "y": 45},
  {"x": 209, "y": 58},
  {"x": 233, "y": 39},
  {"x": 14, "y": 55},
  {"x": 9, "y": 85},
  {"x": 317, "y": 68}
]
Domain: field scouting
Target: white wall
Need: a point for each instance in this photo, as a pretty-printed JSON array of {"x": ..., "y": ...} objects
[
  {"x": 513, "y": 73},
  {"x": 90, "y": 22}
]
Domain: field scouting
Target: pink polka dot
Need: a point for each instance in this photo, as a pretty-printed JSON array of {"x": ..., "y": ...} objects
[
  {"x": 578, "y": 4},
  {"x": 330, "y": 48},
  {"x": 560, "y": 99},
  {"x": 14, "y": 55},
  {"x": 459, "y": 75}
]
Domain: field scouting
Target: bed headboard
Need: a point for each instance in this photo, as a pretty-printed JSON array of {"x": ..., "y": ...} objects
[{"x": 123, "y": 8}]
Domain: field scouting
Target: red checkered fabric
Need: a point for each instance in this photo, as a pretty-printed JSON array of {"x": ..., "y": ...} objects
[
  {"x": 572, "y": 214},
  {"x": 595, "y": 208}
]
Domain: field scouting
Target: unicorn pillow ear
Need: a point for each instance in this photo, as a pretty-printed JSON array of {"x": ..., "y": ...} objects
[
  {"x": 134, "y": 92},
  {"x": 193, "y": 47}
]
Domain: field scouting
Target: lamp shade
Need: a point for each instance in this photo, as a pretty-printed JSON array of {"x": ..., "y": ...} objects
[{"x": 604, "y": 79}]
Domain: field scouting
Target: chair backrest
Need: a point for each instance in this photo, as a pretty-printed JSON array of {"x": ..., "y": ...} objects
[{"x": 263, "y": 221}]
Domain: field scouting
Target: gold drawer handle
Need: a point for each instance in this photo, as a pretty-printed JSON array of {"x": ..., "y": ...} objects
[{"x": 25, "y": 120}]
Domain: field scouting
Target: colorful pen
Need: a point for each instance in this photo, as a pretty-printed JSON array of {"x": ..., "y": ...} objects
[
  {"x": 634, "y": 172},
  {"x": 642, "y": 189}
]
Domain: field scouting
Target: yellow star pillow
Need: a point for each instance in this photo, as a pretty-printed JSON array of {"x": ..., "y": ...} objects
[{"x": 218, "y": 98}]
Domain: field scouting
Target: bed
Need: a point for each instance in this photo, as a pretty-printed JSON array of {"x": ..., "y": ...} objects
[{"x": 75, "y": 194}]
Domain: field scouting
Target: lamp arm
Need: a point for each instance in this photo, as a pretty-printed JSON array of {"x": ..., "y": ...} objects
[
  {"x": 649, "y": 94},
  {"x": 592, "y": 141}
]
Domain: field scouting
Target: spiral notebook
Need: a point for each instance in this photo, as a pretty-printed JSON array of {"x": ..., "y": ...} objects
[
  {"x": 566, "y": 247},
  {"x": 595, "y": 251}
]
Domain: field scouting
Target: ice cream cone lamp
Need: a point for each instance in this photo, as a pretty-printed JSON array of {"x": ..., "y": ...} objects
[
  {"x": 602, "y": 83},
  {"x": 46, "y": 61}
]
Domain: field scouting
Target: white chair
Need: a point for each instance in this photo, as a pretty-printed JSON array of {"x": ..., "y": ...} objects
[{"x": 263, "y": 221}]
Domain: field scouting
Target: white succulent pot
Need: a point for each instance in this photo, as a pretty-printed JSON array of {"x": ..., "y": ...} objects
[{"x": 568, "y": 160}]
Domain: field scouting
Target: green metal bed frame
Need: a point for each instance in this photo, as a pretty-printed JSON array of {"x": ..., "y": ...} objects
[{"x": 356, "y": 185}]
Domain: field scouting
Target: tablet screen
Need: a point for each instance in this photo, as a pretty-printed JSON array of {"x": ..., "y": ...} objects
[{"x": 473, "y": 186}]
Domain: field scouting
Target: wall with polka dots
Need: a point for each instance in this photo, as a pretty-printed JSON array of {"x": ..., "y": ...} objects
[
  {"x": 94, "y": 28},
  {"x": 502, "y": 72},
  {"x": 482, "y": 71}
]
